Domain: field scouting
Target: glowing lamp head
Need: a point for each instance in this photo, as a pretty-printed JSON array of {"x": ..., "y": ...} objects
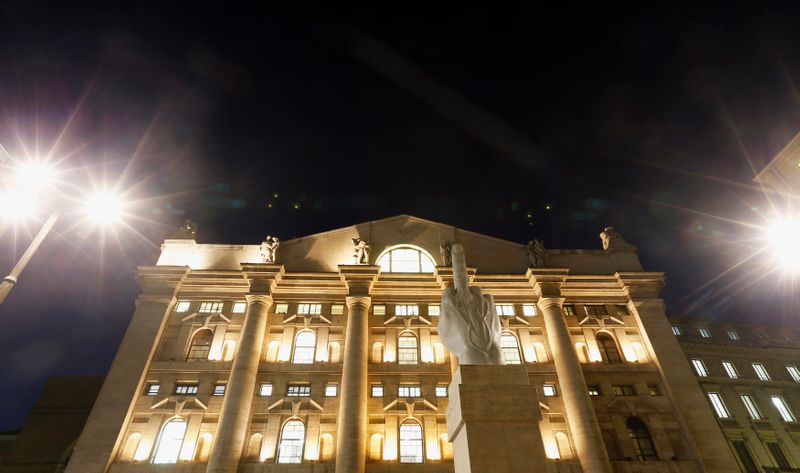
[
  {"x": 784, "y": 241},
  {"x": 16, "y": 205},
  {"x": 104, "y": 208},
  {"x": 35, "y": 175}
]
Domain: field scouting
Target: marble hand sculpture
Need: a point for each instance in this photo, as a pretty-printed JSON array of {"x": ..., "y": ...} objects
[{"x": 468, "y": 323}]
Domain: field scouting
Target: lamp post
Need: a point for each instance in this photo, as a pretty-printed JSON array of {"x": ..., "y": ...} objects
[{"x": 9, "y": 281}]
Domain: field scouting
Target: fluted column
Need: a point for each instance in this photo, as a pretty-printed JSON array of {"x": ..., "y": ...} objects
[
  {"x": 582, "y": 420},
  {"x": 351, "y": 442},
  {"x": 226, "y": 449}
]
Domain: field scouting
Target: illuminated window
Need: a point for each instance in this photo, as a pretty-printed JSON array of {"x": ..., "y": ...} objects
[
  {"x": 298, "y": 390},
  {"x": 441, "y": 390},
  {"x": 410, "y": 442},
  {"x": 794, "y": 372},
  {"x": 653, "y": 390},
  {"x": 376, "y": 390},
  {"x": 210, "y": 307},
  {"x": 730, "y": 369},
  {"x": 219, "y": 390},
  {"x": 704, "y": 332},
  {"x": 594, "y": 390},
  {"x": 183, "y": 306},
  {"x": 406, "y": 259},
  {"x": 549, "y": 390},
  {"x": 337, "y": 309},
  {"x": 152, "y": 389},
  {"x": 676, "y": 330},
  {"x": 304, "y": 346},
  {"x": 699, "y": 367},
  {"x": 733, "y": 335},
  {"x": 379, "y": 309},
  {"x": 783, "y": 409},
  {"x": 293, "y": 437},
  {"x": 407, "y": 349},
  {"x": 309, "y": 309},
  {"x": 608, "y": 349},
  {"x": 282, "y": 308},
  {"x": 406, "y": 310},
  {"x": 330, "y": 390},
  {"x": 595, "y": 309},
  {"x": 528, "y": 310},
  {"x": 752, "y": 408},
  {"x": 169, "y": 442},
  {"x": 761, "y": 372},
  {"x": 185, "y": 389},
  {"x": 200, "y": 346},
  {"x": 510, "y": 348},
  {"x": 719, "y": 405},
  {"x": 506, "y": 310},
  {"x": 640, "y": 437},
  {"x": 623, "y": 390},
  {"x": 433, "y": 310},
  {"x": 568, "y": 310},
  {"x": 265, "y": 389},
  {"x": 239, "y": 307},
  {"x": 408, "y": 390}
]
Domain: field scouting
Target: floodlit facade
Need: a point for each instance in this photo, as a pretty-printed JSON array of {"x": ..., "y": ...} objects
[
  {"x": 782, "y": 173},
  {"x": 312, "y": 363},
  {"x": 751, "y": 378}
]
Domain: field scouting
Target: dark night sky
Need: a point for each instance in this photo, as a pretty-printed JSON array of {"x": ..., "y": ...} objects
[{"x": 650, "y": 119}]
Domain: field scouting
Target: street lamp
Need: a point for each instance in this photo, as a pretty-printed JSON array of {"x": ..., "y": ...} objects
[{"x": 783, "y": 236}]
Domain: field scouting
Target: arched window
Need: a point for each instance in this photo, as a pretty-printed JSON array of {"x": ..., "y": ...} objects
[
  {"x": 410, "y": 442},
  {"x": 304, "y": 346},
  {"x": 376, "y": 447},
  {"x": 130, "y": 447},
  {"x": 510, "y": 347},
  {"x": 326, "y": 447},
  {"x": 640, "y": 436},
  {"x": 564, "y": 448},
  {"x": 407, "y": 353},
  {"x": 608, "y": 349},
  {"x": 293, "y": 435},
  {"x": 201, "y": 345},
  {"x": 253, "y": 451},
  {"x": 170, "y": 440},
  {"x": 406, "y": 259}
]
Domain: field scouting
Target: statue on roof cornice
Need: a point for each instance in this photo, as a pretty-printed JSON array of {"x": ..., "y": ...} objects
[
  {"x": 269, "y": 249},
  {"x": 361, "y": 251},
  {"x": 613, "y": 241},
  {"x": 187, "y": 231},
  {"x": 536, "y": 253},
  {"x": 445, "y": 248},
  {"x": 468, "y": 322}
]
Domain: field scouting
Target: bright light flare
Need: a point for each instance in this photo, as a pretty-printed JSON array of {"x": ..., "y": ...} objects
[
  {"x": 104, "y": 208},
  {"x": 783, "y": 235},
  {"x": 16, "y": 205},
  {"x": 36, "y": 175}
]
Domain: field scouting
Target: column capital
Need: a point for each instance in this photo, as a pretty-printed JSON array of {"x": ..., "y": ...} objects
[
  {"x": 641, "y": 285},
  {"x": 263, "y": 277},
  {"x": 546, "y": 302},
  {"x": 352, "y": 301},
  {"x": 262, "y": 298},
  {"x": 359, "y": 278},
  {"x": 547, "y": 282}
]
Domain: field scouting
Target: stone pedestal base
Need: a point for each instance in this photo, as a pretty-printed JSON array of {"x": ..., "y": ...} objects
[{"x": 493, "y": 421}]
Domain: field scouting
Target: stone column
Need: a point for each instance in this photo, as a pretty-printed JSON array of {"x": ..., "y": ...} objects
[
  {"x": 583, "y": 424},
  {"x": 234, "y": 418},
  {"x": 351, "y": 439},
  {"x": 101, "y": 436}
]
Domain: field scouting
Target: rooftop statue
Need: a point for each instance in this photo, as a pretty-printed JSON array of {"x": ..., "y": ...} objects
[
  {"x": 468, "y": 323},
  {"x": 613, "y": 241},
  {"x": 361, "y": 251},
  {"x": 445, "y": 248},
  {"x": 269, "y": 249},
  {"x": 536, "y": 253},
  {"x": 187, "y": 231}
]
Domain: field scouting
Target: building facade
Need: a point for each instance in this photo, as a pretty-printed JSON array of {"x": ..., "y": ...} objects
[
  {"x": 751, "y": 378},
  {"x": 322, "y": 355}
]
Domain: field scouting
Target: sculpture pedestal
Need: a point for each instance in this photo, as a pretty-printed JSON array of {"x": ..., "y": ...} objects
[{"x": 493, "y": 421}]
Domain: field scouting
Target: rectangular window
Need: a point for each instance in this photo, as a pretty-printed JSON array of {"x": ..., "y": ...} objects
[
  {"x": 210, "y": 307},
  {"x": 152, "y": 389},
  {"x": 433, "y": 310},
  {"x": 783, "y": 409},
  {"x": 282, "y": 308},
  {"x": 379, "y": 309},
  {"x": 595, "y": 309},
  {"x": 699, "y": 367},
  {"x": 594, "y": 390},
  {"x": 219, "y": 390},
  {"x": 441, "y": 390},
  {"x": 568, "y": 310},
  {"x": 331, "y": 390},
  {"x": 297, "y": 390},
  {"x": 337, "y": 309},
  {"x": 408, "y": 390},
  {"x": 622, "y": 310},
  {"x": 528, "y": 310},
  {"x": 185, "y": 389},
  {"x": 733, "y": 335},
  {"x": 549, "y": 390},
  {"x": 794, "y": 372},
  {"x": 777, "y": 453},
  {"x": 761, "y": 372},
  {"x": 653, "y": 390},
  {"x": 504, "y": 310},
  {"x": 623, "y": 390},
  {"x": 406, "y": 310},
  {"x": 309, "y": 309},
  {"x": 239, "y": 307},
  {"x": 705, "y": 333},
  {"x": 183, "y": 306},
  {"x": 676, "y": 330},
  {"x": 377, "y": 390},
  {"x": 265, "y": 389},
  {"x": 719, "y": 405},
  {"x": 745, "y": 457},
  {"x": 730, "y": 369},
  {"x": 750, "y": 405}
]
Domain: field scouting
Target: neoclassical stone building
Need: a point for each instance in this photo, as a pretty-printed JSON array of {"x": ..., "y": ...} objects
[{"x": 312, "y": 363}]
